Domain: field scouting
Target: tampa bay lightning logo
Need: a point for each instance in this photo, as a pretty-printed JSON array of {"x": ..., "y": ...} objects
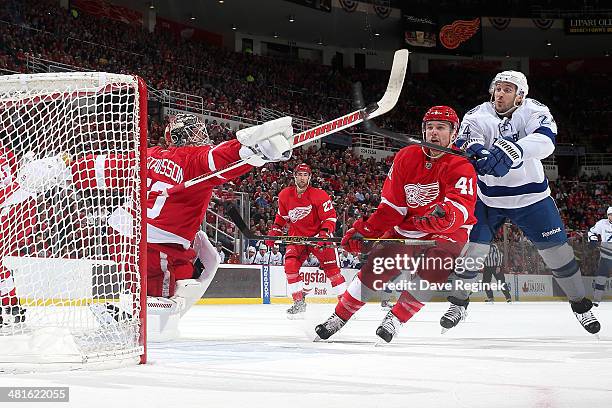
[{"x": 507, "y": 131}]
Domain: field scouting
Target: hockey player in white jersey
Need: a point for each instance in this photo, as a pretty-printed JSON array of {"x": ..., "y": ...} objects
[
  {"x": 602, "y": 231},
  {"x": 510, "y": 135},
  {"x": 262, "y": 257},
  {"x": 274, "y": 256}
]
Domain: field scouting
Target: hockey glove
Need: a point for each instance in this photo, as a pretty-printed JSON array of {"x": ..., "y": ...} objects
[
  {"x": 441, "y": 219},
  {"x": 505, "y": 154},
  {"x": 275, "y": 230},
  {"x": 479, "y": 156},
  {"x": 324, "y": 234},
  {"x": 352, "y": 241},
  {"x": 268, "y": 142}
]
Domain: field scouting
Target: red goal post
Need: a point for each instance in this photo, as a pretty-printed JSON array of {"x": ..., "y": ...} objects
[{"x": 59, "y": 256}]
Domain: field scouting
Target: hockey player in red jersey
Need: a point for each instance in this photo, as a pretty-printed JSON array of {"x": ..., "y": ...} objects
[
  {"x": 173, "y": 221},
  {"x": 427, "y": 195},
  {"x": 309, "y": 212}
]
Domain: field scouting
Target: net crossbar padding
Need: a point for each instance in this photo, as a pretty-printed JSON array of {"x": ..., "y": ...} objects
[{"x": 60, "y": 256}]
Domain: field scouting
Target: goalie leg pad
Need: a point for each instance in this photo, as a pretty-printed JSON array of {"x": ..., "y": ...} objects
[
  {"x": 163, "y": 317},
  {"x": 206, "y": 253},
  {"x": 191, "y": 290}
]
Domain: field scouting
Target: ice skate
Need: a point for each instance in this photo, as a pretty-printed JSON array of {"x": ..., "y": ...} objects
[
  {"x": 297, "y": 310},
  {"x": 329, "y": 328},
  {"x": 582, "y": 311},
  {"x": 456, "y": 313},
  {"x": 388, "y": 327}
]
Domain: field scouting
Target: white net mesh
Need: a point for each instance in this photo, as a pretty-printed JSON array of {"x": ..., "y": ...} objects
[{"x": 63, "y": 270}]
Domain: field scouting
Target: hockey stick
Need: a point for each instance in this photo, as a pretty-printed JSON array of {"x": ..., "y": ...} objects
[
  {"x": 384, "y": 105},
  {"x": 232, "y": 212},
  {"x": 370, "y": 127}
]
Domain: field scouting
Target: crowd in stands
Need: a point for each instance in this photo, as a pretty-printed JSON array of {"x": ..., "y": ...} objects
[{"x": 242, "y": 83}]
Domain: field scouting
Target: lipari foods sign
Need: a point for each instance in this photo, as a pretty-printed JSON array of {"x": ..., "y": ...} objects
[{"x": 588, "y": 26}]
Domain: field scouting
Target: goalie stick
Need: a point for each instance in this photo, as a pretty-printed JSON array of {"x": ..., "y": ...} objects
[
  {"x": 370, "y": 127},
  {"x": 384, "y": 105}
]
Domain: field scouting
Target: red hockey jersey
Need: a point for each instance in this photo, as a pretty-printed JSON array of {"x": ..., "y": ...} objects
[
  {"x": 177, "y": 218},
  {"x": 307, "y": 213},
  {"x": 416, "y": 183}
]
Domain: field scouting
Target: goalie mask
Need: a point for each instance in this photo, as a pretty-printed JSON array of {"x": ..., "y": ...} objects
[
  {"x": 186, "y": 130},
  {"x": 440, "y": 114}
]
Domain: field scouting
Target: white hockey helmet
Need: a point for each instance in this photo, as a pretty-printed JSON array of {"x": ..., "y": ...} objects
[
  {"x": 514, "y": 77},
  {"x": 251, "y": 249},
  {"x": 609, "y": 211},
  {"x": 263, "y": 246}
]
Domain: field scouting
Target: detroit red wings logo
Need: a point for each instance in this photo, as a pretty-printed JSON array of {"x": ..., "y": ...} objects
[
  {"x": 418, "y": 195},
  {"x": 298, "y": 213},
  {"x": 452, "y": 35}
]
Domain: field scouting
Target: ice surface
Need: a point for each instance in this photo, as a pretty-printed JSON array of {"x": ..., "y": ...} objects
[{"x": 504, "y": 355}]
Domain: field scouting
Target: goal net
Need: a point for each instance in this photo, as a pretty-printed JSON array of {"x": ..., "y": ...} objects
[{"x": 72, "y": 293}]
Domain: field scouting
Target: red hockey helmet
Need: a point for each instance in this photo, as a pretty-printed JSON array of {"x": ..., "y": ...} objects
[
  {"x": 302, "y": 167},
  {"x": 442, "y": 113}
]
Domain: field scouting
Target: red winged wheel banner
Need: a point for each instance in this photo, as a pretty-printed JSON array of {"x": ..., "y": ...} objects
[{"x": 459, "y": 32}]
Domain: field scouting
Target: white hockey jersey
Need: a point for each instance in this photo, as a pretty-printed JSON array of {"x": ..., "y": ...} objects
[
  {"x": 261, "y": 259},
  {"x": 603, "y": 228},
  {"x": 533, "y": 128},
  {"x": 275, "y": 258}
]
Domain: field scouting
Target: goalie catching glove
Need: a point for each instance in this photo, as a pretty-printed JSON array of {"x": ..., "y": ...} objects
[
  {"x": 40, "y": 175},
  {"x": 268, "y": 142}
]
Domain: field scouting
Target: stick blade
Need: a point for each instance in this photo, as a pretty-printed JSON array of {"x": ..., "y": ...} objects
[
  {"x": 394, "y": 87},
  {"x": 234, "y": 215}
]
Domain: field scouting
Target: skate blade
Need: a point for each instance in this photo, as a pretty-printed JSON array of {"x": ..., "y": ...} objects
[
  {"x": 296, "y": 316},
  {"x": 381, "y": 343},
  {"x": 444, "y": 330}
]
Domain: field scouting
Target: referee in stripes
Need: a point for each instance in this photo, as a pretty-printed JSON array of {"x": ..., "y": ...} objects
[{"x": 492, "y": 267}]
